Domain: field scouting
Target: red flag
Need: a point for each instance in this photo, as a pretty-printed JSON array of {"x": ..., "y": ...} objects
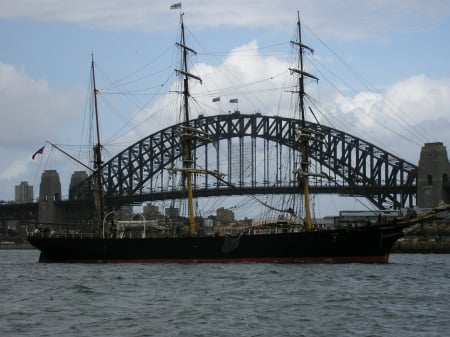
[{"x": 40, "y": 151}]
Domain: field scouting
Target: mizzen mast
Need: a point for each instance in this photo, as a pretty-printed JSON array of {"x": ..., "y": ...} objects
[
  {"x": 304, "y": 133},
  {"x": 99, "y": 197}
]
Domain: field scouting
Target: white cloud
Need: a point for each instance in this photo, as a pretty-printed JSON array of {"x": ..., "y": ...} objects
[
  {"x": 31, "y": 108},
  {"x": 355, "y": 20},
  {"x": 244, "y": 74},
  {"x": 420, "y": 98},
  {"x": 32, "y": 112},
  {"x": 401, "y": 119}
]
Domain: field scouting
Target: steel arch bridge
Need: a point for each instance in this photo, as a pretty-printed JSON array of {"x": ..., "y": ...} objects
[{"x": 257, "y": 154}]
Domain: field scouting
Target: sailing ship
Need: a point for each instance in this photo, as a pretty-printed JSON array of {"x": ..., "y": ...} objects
[{"x": 363, "y": 237}]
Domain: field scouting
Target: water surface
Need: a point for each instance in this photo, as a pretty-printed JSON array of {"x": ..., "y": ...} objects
[{"x": 407, "y": 297}]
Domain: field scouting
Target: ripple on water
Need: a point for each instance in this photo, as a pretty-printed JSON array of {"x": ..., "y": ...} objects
[{"x": 405, "y": 298}]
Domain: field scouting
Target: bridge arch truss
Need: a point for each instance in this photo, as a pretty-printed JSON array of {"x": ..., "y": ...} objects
[{"x": 258, "y": 155}]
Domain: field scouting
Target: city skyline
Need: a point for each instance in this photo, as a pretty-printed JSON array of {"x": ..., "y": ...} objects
[{"x": 44, "y": 68}]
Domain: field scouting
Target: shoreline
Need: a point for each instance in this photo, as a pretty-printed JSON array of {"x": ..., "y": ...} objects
[
  {"x": 17, "y": 246},
  {"x": 421, "y": 247}
]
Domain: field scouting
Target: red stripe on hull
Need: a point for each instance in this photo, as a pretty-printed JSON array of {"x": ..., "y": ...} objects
[{"x": 335, "y": 259}]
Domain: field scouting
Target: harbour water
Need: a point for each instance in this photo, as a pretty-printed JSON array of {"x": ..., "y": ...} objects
[{"x": 407, "y": 297}]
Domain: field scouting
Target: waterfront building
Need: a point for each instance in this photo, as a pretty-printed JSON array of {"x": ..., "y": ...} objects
[{"x": 24, "y": 193}]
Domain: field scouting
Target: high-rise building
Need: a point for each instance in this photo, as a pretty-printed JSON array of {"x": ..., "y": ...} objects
[
  {"x": 151, "y": 211},
  {"x": 225, "y": 215},
  {"x": 172, "y": 212},
  {"x": 24, "y": 193}
]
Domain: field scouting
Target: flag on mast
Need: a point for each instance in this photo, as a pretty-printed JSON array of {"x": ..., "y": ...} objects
[
  {"x": 40, "y": 151},
  {"x": 176, "y": 6}
]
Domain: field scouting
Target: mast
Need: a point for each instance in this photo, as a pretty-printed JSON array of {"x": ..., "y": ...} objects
[
  {"x": 305, "y": 134},
  {"x": 187, "y": 133},
  {"x": 98, "y": 183}
]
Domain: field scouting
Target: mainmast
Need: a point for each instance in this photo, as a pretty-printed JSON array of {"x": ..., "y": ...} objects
[
  {"x": 187, "y": 133},
  {"x": 305, "y": 134},
  {"x": 98, "y": 175}
]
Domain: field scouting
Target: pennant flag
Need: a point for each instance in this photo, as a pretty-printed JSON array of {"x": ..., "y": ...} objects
[
  {"x": 217, "y": 99},
  {"x": 40, "y": 151},
  {"x": 176, "y": 6},
  {"x": 234, "y": 100}
]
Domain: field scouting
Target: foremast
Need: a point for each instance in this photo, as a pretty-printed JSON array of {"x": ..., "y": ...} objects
[{"x": 304, "y": 133}]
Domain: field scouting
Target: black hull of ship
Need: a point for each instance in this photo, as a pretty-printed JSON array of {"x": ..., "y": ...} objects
[{"x": 368, "y": 245}]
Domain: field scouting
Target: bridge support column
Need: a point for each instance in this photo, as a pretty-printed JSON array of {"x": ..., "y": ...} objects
[
  {"x": 433, "y": 175},
  {"x": 49, "y": 194}
]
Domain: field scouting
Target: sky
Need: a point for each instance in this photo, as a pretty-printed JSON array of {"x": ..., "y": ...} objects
[{"x": 383, "y": 70}]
